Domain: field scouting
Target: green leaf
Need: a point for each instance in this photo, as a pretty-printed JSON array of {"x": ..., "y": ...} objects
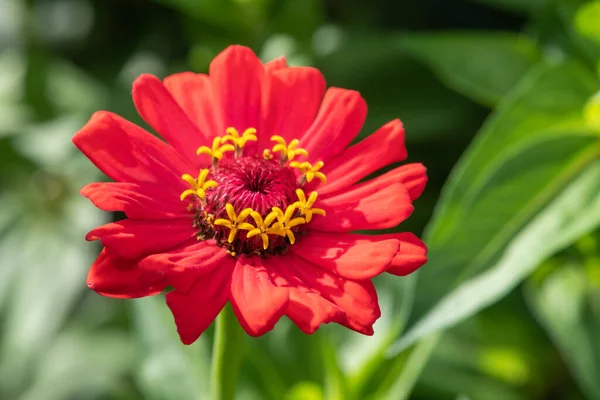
[
  {"x": 568, "y": 12},
  {"x": 366, "y": 356},
  {"x": 80, "y": 365},
  {"x": 587, "y": 20},
  {"x": 230, "y": 15},
  {"x": 481, "y": 65},
  {"x": 335, "y": 382},
  {"x": 566, "y": 303},
  {"x": 526, "y": 188},
  {"x": 592, "y": 112},
  {"x": 373, "y": 65},
  {"x": 305, "y": 391},
  {"x": 228, "y": 350},
  {"x": 518, "y": 6},
  {"x": 167, "y": 369},
  {"x": 411, "y": 369}
]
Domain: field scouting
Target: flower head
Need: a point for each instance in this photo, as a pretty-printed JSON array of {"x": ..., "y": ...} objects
[{"x": 237, "y": 226}]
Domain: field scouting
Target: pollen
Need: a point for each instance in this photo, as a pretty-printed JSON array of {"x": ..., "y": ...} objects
[
  {"x": 239, "y": 141},
  {"x": 235, "y": 222},
  {"x": 288, "y": 222},
  {"x": 288, "y": 151},
  {"x": 265, "y": 227},
  {"x": 216, "y": 151},
  {"x": 199, "y": 185},
  {"x": 304, "y": 205},
  {"x": 251, "y": 202},
  {"x": 310, "y": 171}
]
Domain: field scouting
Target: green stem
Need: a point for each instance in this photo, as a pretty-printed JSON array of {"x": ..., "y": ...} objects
[{"x": 228, "y": 350}]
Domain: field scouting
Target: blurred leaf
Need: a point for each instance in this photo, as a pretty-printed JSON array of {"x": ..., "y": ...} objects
[
  {"x": 334, "y": 386},
  {"x": 516, "y": 5},
  {"x": 232, "y": 15},
  {"x": 483, "y": 66},
  {"x": 305, "y": 391},
  {"x": 13, "y": 112},
  {"x": 442, "y": 377},
  {"x": 564, "y": 303},
  {"x": 168, "y": 369},
  {"x": 523, "y": 190},
  {"x": 587, "y": 20},
  {"x": 395, "y": 86},
  {"x": 80, "y": 365},
  {"x": 299, "y": 19},
  {"x": 405, "y": 381},
  {"x": 592, "y": 112},
  {"x": 71, "y": 89},
  {"x": 365, "y": 357},
  {"x": 567, "y": 11}
]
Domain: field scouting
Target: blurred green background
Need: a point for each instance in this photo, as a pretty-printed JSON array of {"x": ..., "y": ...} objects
[{"x": 500, "y": 100}]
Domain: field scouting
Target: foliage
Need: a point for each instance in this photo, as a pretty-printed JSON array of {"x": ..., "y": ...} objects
[{"x": 500, "y": 99}]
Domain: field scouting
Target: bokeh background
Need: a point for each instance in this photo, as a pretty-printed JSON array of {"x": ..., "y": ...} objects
[{"x": 497, "y": 97}]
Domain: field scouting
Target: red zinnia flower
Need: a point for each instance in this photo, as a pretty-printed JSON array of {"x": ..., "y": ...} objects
[{"x": 227, "y": 208}]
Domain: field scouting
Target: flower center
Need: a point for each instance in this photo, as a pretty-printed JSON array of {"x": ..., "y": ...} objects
[
  {"x": 252, "y": 205},
  {"x": 252, "y": 182}
]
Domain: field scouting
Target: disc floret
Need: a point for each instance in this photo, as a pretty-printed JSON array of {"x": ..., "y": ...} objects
[{"x": 240, "y": 202}]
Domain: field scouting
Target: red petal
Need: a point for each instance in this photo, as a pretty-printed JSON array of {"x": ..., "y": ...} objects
[
  {"x": 184, "y": 265},
  {"x": 384, "y": 147},
  {"x": 290, "y": 109},
  {"x": 237, "y": 78},
  {"x": 358, "y": 299},
  {"x": 196, "y": 310},
  {"x": 305, "y": 308},
  {"x": 356, "y": 257},
  {"x": 275, "y": 65},
  {"x": 257, "y": 302},
  {"x": 115, "y": 277},
  {"x": 134, "y": 239},
  {"x": 340, "y": 118},
  {"x": 412, "y": 176},
  {"x": 365, "y": 206},
  {"x": 139, "y": 201},
  {"x": 412, "y": 254},
  {"x": 160, "y": 110},
  {"x": 125, "y": 152},
  {"x": 193, "y": 93}
]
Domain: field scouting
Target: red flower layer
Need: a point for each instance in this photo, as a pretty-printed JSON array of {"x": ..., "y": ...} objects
[{"x": 325, "y": 276}]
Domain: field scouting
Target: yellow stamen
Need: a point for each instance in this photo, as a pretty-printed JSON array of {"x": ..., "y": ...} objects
[
  {"x": 267, "y": 155},
  {"x": 287, "y": 222},
  {"x": 310, "y": 171},
  {"x": 264, "y": 228},
  {"x": 235, "y": 222},
  {"x": 209, "y": 218},
  {"x": 288, "y": 151},
  {"x": 217, "y": 150},
  {"x": 305, "y": 206},
  {"x": 239, "y": 141},
  {"x": 199, "y": 185}
]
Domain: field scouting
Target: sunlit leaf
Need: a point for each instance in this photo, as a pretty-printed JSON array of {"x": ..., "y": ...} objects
[
  {"x": 526, "y": 188},
  {"x": 592, "y": 112},
  {"x": 586, "y": 20},
  {"x": 305, "y": 391}
]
